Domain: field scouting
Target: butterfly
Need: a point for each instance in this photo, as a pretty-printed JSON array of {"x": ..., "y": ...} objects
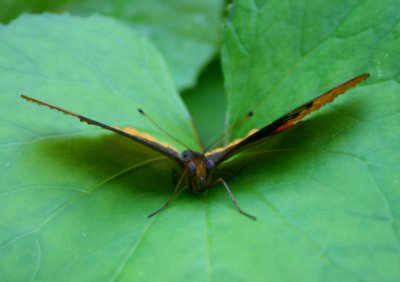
[{"x": 198, "y": 169}]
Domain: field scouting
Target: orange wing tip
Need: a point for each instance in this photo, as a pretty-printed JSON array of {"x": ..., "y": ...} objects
[
  {"x": 145, "y": 136},
  {"x": 329, "y": 97}
]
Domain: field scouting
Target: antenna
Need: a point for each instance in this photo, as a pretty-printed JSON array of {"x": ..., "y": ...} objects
[
  {"x": 236, "y": 124},
  {"x": 162, "y": 129}
]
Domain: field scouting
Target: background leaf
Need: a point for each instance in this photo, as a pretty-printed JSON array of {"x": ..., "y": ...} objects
[
  {"x": 207, "y": 103},
  {"x": 326, "y": 192},
  {"x": 186, "y": 32}
]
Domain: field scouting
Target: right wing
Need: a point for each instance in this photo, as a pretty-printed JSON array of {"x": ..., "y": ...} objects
[{"x": 286, "y": 121}]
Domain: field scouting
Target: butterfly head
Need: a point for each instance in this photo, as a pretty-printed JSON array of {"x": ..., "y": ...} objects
[{"x": 198, "y": 170}]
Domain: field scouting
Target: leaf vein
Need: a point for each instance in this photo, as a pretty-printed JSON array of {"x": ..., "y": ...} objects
[
  {"x": 38, "y": 260},
  {"x": 132, "y": 250},
  {"x": 207, "y": 236}
]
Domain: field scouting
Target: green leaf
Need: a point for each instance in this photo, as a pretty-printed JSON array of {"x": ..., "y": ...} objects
[
  {"x": 327, "y": 191},
  {"x": 186, "y": 32},
  {"x": 53, "y": 166}
]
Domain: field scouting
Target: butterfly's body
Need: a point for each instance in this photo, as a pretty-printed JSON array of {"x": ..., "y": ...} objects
[{"x": 198, "y": 169}]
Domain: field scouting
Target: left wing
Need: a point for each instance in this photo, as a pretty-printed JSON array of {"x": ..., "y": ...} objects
[
  {"x": 290, "y": 119},
  {"x": 143, "y": 138}
]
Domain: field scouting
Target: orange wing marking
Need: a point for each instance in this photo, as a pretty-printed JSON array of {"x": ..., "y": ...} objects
[
  {"x": 145, "y": 136},
  {"x": 131, "y": 133},
  {"x": 231, "y": 144},
  {"x": 322, "y": 100}
]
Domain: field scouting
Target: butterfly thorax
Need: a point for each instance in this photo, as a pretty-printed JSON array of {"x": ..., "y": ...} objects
[{"x": 198, "y": 170}]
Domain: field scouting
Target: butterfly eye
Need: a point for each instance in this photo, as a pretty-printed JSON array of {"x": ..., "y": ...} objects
[
  {"x": 187, "y": 155},
  {"x": 192, "y": 168},
  {"x": 210, "y": 166}
]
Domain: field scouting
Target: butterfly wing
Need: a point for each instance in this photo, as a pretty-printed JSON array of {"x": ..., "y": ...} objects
[
  {"x": 131, "y": 133},
  {"x": 283, "y": 123}
]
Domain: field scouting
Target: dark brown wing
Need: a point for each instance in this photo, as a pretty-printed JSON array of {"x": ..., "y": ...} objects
[
  {"x": 131, "y": 133},
  {"x": 281, "y": 124}
]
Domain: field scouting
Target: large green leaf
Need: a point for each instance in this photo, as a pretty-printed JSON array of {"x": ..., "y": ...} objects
[
  {"x": 326, "y": 193},
  {"x": 185, "y": 31},
  {"x": 52, "y": 166}
]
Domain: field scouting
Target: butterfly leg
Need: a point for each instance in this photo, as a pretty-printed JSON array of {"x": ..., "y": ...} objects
[
  {"x": 233, "y": 199},
  {"x": 171, "y": 198},
  {"x": 175, "y": 176}
]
